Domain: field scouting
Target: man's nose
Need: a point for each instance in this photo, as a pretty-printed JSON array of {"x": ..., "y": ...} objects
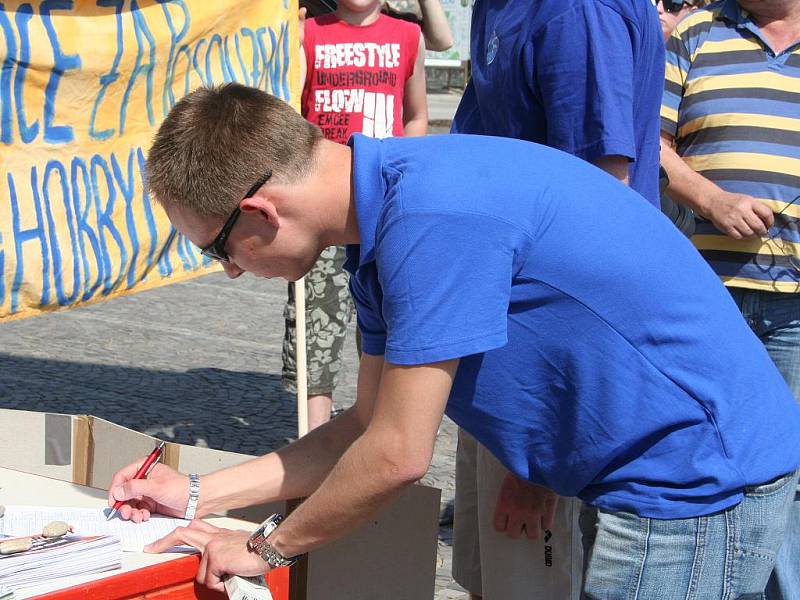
[{"x": 232, "y": 270}]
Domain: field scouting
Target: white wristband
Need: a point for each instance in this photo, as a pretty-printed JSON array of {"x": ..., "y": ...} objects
[{"x": 194, "y": 495}]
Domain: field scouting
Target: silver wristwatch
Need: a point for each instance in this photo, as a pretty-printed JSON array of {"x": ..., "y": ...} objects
[
  {"x": 194, "y": 495},
  {"x": 259, "y": 545}
]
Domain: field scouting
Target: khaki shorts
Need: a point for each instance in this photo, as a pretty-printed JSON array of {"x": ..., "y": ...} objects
[{"x": 491, "y": 564}]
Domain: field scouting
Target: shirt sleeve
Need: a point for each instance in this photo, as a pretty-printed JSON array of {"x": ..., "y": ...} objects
[
  {"x": 583, "y": 70},
  {"x": 446, "y": 281},
  {"x": 678, "y": 62},
  {"x": 368, "y": 315}
]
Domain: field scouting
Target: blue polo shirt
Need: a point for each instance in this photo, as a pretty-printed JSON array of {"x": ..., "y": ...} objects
[
  {"x": 600, "y": 355},
  {"x": 583, "y": 76}
]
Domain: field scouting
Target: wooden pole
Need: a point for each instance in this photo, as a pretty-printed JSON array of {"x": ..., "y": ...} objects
[{"x": 300, "y": 353}]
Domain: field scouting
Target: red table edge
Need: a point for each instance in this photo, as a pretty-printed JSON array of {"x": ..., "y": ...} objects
[{"x": 155, "y": 577}]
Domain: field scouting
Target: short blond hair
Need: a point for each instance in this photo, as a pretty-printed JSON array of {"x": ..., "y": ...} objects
[{"x": 218, "y": 141}]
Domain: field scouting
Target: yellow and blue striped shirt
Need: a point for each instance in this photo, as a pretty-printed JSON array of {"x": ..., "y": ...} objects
[{"x": 733, "y": 107}]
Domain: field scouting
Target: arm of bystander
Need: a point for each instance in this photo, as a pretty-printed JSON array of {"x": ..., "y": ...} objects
[{"x": 415, "y": 100}]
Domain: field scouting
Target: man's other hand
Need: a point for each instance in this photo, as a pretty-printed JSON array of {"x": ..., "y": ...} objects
[
  {"x": 224, "y": 552},
  {"x": 739, "y": 215},
  {"x": 524, "y": 508}
]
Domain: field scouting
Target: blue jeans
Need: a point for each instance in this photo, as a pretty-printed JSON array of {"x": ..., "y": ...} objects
[
  {"x": 728, "y": 555},
  {"x": 775, "y": 318}
]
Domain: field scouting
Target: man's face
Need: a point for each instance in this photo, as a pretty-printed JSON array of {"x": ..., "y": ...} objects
[
  {"x": 254, "y": 244},
  {"x": 670, "y": 19}
]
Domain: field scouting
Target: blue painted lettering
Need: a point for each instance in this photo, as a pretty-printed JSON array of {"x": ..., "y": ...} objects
[
  {"x": 56, "y": 134},
  {"x": 262, "y": 48},
  {"x": 55, "y": 245},
  {"x": 126, "y": 186},
  {"x": 85, "y": 231},
  {"x": 168, "y": 97},
  {"x": 26, "y": 132},
  {"x": 113, "y": 73},
  {"x": 105, "y": 222},
  {"x": 6, "y": 70},
  {"x": 164, "y": 263},
  {"x": 142, "y": 31},
  {"x": 148, "y": 216},
  {"x": 283, "y": 60},
  {"x": 254, "y": 46},
  {"x": 245, "y": 74},
  {"x": 21, "y": 236},
  {"x": 216, "y": 40},
  {"x": 202, "y": 42}
]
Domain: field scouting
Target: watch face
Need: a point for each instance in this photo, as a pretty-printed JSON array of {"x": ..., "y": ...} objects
[{"x": 259, "y": 536}]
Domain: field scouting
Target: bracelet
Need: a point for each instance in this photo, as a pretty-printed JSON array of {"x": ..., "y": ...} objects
[{"x": 194, "y": 495}]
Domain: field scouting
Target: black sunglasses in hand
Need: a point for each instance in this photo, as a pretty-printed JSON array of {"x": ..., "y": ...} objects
[{"x": 216, "y": 249}]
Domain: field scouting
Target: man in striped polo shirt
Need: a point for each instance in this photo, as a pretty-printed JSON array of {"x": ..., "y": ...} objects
[{"x": 730, "y": 124}]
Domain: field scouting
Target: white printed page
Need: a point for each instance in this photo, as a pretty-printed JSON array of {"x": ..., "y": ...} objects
[{"x": 29, "y": 520}]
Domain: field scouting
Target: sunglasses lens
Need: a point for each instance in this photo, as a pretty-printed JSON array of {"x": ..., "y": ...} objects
[
  {"x": 672, "y": 6},
  {"x": 213, "y": 254}
]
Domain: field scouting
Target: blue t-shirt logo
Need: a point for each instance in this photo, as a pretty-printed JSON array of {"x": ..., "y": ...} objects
[{"x": 491, "y": 48}]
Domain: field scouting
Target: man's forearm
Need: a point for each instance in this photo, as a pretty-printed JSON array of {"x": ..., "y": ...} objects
[
  {"x": 294, "y": 471},
  {"x": 685, "y": 184},
  {"x": 393, "y": 452},
  {"x": 364, "y": 481}
]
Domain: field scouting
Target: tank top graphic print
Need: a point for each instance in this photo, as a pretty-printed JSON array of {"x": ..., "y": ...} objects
[{"x": 356, "y": 75}]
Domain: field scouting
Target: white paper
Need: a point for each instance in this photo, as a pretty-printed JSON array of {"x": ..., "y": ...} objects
[
  {"x": 70, "y": 555},
  {"x": 247, "y": 588},
  {"x": 29, "y": 520}
]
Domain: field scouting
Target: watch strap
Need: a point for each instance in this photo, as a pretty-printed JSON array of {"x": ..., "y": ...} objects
[
  {"x": 274, "y": 558},
  {"x": 194, "y": 495},
  {"x": 259, "y": 545}
]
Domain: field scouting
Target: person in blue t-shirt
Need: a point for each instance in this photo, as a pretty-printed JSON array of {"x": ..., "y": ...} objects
[
  {"x": 586, "y": 77},
  {"x": 549, "y": 310}
]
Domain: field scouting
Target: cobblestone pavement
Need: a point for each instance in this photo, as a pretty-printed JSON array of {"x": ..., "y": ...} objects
[{"x": 195, "y": 362}]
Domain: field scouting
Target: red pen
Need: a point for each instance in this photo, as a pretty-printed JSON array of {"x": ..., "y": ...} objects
[{"x": 142, "y": 473}]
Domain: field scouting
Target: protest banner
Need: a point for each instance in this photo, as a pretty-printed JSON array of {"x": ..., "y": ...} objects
[{"x": 84, "y": 86}]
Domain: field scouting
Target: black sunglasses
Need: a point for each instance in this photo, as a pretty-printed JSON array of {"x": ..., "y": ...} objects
[
  {"x": 672, "y": 6},
  {"x": 216, "y": 249},
  {"x": 785, "y": 222}
]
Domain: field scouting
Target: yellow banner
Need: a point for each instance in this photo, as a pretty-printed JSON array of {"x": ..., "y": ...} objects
[{"x": 83, "y": 87}]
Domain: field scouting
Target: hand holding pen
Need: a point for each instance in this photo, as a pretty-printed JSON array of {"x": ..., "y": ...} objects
[
  {"x": 164, "y": 492},
  {"x": 147, "y": 466}
]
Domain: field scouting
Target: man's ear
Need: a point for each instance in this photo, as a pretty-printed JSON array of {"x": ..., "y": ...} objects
[{"x": 263, "y": 205}]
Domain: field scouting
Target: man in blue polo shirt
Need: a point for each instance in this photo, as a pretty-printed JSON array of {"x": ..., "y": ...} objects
[
  {"x": 591, "y": 350},
  {"x": 583, "y": 76}
]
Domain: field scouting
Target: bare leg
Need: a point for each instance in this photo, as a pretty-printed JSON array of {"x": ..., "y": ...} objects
[{"x": 319, "y": 410}]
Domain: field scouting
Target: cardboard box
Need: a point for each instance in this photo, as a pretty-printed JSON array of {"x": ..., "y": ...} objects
[{"x": 391, "y": 556}]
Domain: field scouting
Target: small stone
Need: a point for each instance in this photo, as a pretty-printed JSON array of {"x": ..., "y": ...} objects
[
  {"x": 15, "y": 546},
  {"x": 55, "y": 529}
]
